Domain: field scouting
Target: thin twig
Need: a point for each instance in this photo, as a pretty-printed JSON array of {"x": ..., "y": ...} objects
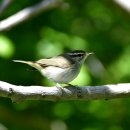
[
  {"x": 4, "y": 5},
  {"x": 125, "y": 4},
  {"x": 28, "y": 13}
]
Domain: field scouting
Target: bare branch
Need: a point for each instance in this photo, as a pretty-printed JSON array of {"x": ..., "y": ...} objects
[
  {"x": 4, "y": 5},
  {"x": 84, "y": 93},
  {"x": 28, "y": 13}
]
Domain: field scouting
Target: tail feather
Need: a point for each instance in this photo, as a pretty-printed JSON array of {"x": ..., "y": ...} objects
[
  {"x": 31, "y": 63},
  {"x": 21, "y": 61}
]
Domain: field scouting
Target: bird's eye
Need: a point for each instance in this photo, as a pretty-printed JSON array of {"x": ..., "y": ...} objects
[{"x": 79, "y": 55}]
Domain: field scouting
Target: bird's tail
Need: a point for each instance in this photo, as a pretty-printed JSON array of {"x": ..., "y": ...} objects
[{"x": 31, "y": 63}]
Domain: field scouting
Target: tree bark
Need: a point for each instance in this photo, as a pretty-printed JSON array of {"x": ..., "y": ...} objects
[{"x": 83, "y": 93}]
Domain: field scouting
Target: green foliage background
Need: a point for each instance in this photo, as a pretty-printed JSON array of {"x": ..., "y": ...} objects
[{"x": 96, "y": 26}]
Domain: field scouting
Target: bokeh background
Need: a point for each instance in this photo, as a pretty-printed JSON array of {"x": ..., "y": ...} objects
[{"x": 102, "y": 27}]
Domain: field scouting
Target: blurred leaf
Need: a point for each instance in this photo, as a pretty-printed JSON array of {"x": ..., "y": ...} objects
[
  {"x": 89, "y": 129},
  {"x": 121, "y": 67},
  {"x": 101, "y": 15},
  {"x": 53, "y": 42},
  {"x": 63, "y": 110},
  {"x": 115, "y": 127},
  {"x": 6, "y": 47},
  {"x": 58, "y": 125},
  {"x": 83, "y": 78}
]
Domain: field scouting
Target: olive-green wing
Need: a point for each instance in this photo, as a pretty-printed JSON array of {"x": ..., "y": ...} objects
[{"x": 58, "y": 61}]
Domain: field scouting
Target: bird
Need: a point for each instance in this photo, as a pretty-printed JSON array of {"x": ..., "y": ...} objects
[{"x": 62, "y": 68}]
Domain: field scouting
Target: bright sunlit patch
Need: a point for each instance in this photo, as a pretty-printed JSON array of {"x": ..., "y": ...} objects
[
  {"x": 54, "y": 42},
  {"x": 6, "y": 47},
  {"x": 58, "y": 125},
  {"x": 83, "y": 78}
]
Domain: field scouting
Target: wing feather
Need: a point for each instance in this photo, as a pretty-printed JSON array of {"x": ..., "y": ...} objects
[{"x": 58, "y": 61}]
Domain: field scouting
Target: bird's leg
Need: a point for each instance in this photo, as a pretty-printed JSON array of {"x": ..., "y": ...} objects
[{"x": 59, "y": 87}]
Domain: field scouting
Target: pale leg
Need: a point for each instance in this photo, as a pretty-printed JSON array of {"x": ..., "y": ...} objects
[{"x": 59, "y": 87}]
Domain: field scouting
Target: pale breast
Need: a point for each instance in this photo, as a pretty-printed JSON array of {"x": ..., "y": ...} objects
[{"x": 60, "y": 75}]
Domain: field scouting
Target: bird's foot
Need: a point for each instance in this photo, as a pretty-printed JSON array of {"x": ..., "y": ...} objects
[{"x": 71, "y": 85}]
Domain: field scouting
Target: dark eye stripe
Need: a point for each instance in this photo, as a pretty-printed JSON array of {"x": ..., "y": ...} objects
[{"x": 76, "y": 54}]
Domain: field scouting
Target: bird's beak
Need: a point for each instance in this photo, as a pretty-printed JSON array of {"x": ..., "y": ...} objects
[{"x": 91, "y": 53}]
